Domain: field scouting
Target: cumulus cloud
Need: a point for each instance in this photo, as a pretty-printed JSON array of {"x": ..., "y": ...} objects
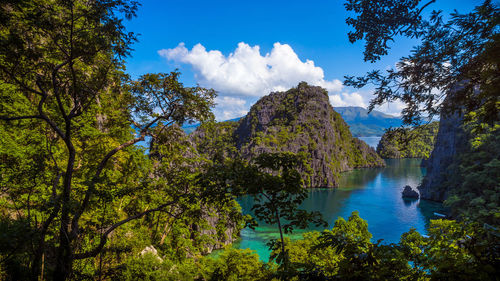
[
  {"x": 347, "y": 99},
  {"x": 392, "y": 108},
  {"x": 229, "y": 108},
  {"x": 362, "y": 99},
  {"x": 247, "y": 73}
]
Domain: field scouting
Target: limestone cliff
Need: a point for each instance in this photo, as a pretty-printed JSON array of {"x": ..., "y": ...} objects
[
  {"x": 301, "y": 120},
  {"x": 450, "y": 141},
  {"x": 219, "y": 224}
]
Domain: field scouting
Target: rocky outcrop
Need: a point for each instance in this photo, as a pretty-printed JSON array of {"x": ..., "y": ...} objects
[
  {"x": 450, "y": 141},
  {"x": 409, "y": 192},
  {"x": 301, "y": 120},
  {"x": 222, "y": 226},
  {"x": 152, "y": 251}
]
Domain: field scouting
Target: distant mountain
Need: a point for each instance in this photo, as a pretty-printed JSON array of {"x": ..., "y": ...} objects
[{"x": 363, "y": 124}]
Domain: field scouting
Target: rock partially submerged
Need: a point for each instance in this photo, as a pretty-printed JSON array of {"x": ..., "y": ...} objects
[{"x": 409, "y": 192}]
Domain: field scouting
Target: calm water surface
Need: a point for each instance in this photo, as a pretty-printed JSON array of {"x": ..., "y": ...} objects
[{"x": 374, "y": 192}]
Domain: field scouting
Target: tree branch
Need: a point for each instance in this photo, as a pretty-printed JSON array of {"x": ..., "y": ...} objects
[
  {"x": 100, "y": 168},
  {"x": 104, "y": 237},
  {"x": 7, "y": 118},
  {"x": 56, "y": 88}
]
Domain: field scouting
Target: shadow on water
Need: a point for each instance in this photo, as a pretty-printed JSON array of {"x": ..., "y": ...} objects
[
  {"x": 375, "y": 193},
  {"x": 427, "y": 208}
]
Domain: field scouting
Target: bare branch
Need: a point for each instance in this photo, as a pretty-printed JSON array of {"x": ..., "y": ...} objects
[
  {"x": 56, "y": 88},
  {"x": 7, "y": 118}
]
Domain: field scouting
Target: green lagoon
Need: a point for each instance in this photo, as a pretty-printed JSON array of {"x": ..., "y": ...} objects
[{"x": 374, "y": 192}]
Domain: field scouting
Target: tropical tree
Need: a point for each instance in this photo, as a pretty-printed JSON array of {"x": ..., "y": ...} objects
[
  {"x": 456, "y": 59},
  {"x": 275, "y": 184},
  {"x": 455, "y": 69},
  {"x": 65, "y": 100}
]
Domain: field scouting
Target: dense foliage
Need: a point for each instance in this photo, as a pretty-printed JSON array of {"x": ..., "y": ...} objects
[
  {"x": 475, "y": 175},
  {"x": 417, "y": 142},
  {"x": 450, "y": 251},
  {"x": 97, "y": 180},
  {"x": 76, "y": 189},
  {"x": 457, "y": 59}
]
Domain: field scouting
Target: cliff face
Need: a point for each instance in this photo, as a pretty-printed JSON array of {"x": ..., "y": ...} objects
[
  {"x": 450, "y": 141},
  {"x": 417, "y": 142},
  {"x": 301, "y": 120},
  {"x": 220, "y": 224}
]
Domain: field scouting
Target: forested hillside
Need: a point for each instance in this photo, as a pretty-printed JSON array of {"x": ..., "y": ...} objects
[{"x": 417, "y": 142}]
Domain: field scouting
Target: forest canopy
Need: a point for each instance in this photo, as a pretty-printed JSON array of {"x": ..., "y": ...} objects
[{"x": 97, "y": 180}]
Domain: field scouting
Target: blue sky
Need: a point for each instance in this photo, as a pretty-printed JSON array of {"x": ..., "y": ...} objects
[{"x": 245, "y": 49}]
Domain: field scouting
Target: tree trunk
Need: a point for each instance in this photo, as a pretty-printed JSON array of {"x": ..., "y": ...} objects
[
  {"x": 64, "y": 256},
  {"x": 37, "y": 261},
  {"x": 281, "y": 234}
]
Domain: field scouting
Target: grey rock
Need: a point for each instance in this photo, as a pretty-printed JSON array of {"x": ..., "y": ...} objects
[
  {"x": 450, "y": 141},
  {"x": 409, "y": 192},
  {"x": 302, "y": 120}
]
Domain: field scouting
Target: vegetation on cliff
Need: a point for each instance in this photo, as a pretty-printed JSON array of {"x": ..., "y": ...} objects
[
  {"x": 417, "y": 142},
  {"x": 300, "y": 120},
  {"x": 470, "y": 184}
]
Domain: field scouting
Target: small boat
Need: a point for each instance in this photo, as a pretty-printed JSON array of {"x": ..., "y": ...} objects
[{"x": 439, "y": 215}]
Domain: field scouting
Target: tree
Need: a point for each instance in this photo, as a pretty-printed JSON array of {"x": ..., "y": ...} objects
[
  {"x": 278, "y": 191},
  {"x": 274, "y": 182},
  {"x": 65, "y": 100},
  {"x": 457, "y": 60},
  {"x": 454, "y": 71},
  {"x": 451, "y": 250},
  {"x": 417, "y": 142}
]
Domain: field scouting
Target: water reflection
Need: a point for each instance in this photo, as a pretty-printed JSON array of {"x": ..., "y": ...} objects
[
  {"x": 409, "y": 201},
  {"x": 374, "y": 192}
]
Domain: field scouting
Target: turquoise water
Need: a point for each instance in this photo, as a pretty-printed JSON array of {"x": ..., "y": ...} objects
[{"x": 374, "y": 192}]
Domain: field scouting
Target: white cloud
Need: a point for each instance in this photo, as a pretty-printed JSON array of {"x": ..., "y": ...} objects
[
  {"x": 247, "y": 73},
  {"x": 229, "y": 108},
  {"x": 392, "y": 108},
  {"x": 347, "y": 99}
]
